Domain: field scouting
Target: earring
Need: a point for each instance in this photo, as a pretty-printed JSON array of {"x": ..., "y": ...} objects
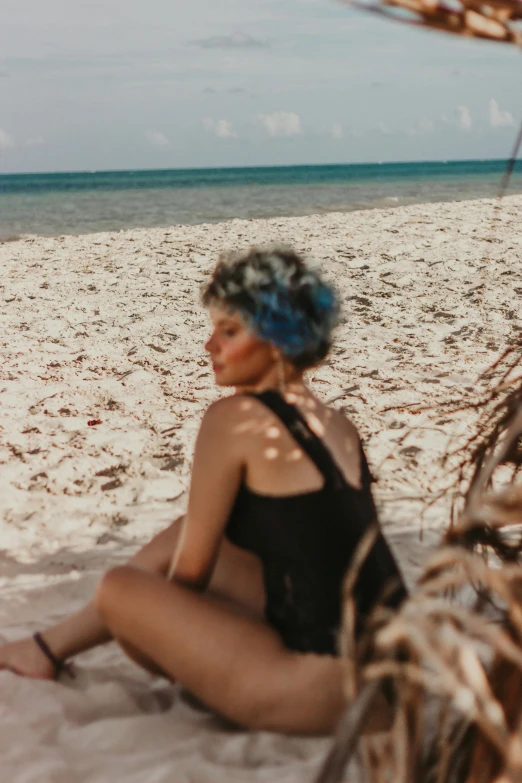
[{"x": 281, "y": 380}]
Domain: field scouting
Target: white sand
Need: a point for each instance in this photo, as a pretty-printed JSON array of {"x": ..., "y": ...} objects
[{"x": 109, "y": 327}]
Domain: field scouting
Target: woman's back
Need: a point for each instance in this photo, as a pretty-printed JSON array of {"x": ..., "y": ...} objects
[
  {"x": 306, "y": 529},
  {"x": 275, "y": 464}
]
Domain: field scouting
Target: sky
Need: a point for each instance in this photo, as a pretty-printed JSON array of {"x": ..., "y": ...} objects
[{"x": 128, "y": 84}]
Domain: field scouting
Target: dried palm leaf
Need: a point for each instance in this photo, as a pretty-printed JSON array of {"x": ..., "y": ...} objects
[
  {"x": 432, "y": 652},
  {"x": 451, "y": 671},
  {"x": 496, "y": 20}
]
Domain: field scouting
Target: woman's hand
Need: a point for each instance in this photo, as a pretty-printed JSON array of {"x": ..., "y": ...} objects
[{"x": 25, "y": 658}]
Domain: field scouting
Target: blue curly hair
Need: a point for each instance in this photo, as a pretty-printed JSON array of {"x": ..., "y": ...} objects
[{"x": 281, "y": 299}]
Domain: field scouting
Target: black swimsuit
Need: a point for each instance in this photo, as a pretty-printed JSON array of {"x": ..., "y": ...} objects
[{"x": 305, "y": 543}]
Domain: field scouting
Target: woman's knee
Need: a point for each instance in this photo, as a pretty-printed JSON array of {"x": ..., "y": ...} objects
[{"x": 113, "y": 586}]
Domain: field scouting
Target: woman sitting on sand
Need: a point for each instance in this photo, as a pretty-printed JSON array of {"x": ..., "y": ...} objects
[{"x": 240, "y": 599}]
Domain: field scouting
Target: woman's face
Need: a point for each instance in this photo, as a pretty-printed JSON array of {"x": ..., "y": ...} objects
[{"x": 239, "y": 358}]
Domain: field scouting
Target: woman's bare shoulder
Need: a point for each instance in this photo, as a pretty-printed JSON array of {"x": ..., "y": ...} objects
[
  {"x": 231, "y": 426},
  {"x": 232, "y": 406},
  {"x": 339, "y": 420},
  {"x": 228, "y": 413}
]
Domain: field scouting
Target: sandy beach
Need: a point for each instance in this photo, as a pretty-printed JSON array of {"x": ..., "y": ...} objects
[{"x": 103, "y": 382}]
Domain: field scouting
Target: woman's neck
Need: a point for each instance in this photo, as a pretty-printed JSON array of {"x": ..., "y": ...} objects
[{"x": 293, "y": 381}]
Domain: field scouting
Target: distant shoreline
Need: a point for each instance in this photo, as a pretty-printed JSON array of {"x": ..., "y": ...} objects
[
  {"x": 89, "y": 235},
  {"x": 9, "y": 238}
]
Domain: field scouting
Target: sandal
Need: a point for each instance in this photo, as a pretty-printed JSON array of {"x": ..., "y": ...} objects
[{"x": 59, "y": 665}]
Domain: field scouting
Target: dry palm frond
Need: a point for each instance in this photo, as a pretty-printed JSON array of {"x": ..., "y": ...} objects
[
  {"x": 450, "y": 660},
  {"x": 496, "y": 20},
  {"x": 496, "y": 441},
  {"x": 432, "y": 659}
]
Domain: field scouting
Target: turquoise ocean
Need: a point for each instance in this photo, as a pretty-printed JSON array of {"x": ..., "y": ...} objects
[{"x": 84, "y": 202}]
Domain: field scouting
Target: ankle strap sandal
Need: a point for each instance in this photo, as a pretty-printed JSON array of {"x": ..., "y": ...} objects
[{"x": 59, "y": 665}]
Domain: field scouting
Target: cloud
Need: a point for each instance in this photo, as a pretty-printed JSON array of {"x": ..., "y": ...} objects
[
  {"x": 221, "y": 128},
  {"x": 34, "y": 141},
  {"x": 234, "y": 41},
  {"x": 157, "y": 139},
  {"x": 425, "y": 125},
  {"x": 382, "y": 128},
  {"x": 464, "y": 119},
  {"x": 6, "y": 141},
  {"x": 228, "y": 91},
  {"x": 337, "y": 130},
  {"x": 499, "y": 118},
  {"x": 280, "y": 123}
]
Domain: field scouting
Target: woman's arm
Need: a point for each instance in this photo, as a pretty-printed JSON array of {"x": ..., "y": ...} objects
[{"x": 216, "y": 475}]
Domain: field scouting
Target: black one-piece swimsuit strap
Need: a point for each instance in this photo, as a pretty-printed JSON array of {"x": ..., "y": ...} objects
[{"x": 299, "y": 428}]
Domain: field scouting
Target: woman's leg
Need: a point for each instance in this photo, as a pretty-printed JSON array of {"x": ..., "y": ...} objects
[
  {"x": 84, "y": 629},
  {"x": 236, "y": 583},
  {"x": 235, "y": 664},
  {"x": 237, "y": 577}
]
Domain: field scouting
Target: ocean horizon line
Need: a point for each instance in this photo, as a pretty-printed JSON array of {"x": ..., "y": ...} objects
[{"x": 437, "y": 161}]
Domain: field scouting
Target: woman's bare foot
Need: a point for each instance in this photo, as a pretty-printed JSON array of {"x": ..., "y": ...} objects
[{"x": 25, "y": 658}]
